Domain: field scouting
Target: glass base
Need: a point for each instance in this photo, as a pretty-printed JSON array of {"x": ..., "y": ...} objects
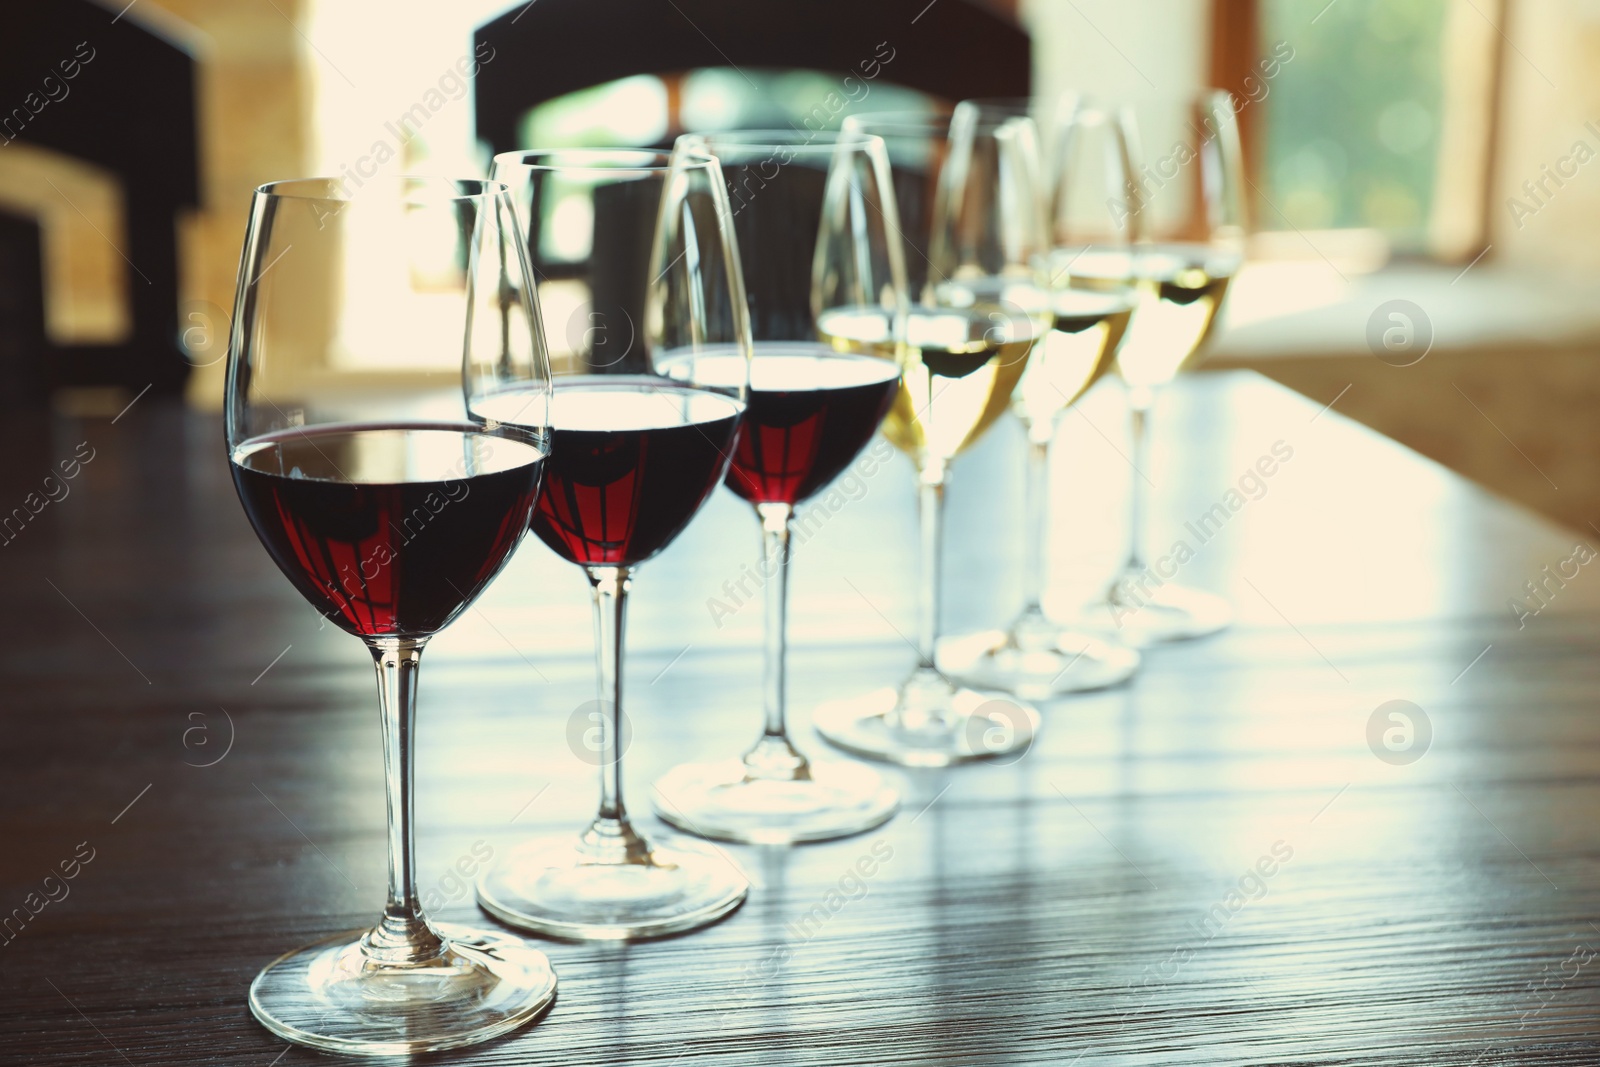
[
  {"x": 558, "y": 887},
  {"x": 1169, "y": 612},
  {"x": 1037, "y": 660},
  {"x": 929, "y": 723},
  {"x": 725, "y": 801},
  {"x": 331, "y": 996}
]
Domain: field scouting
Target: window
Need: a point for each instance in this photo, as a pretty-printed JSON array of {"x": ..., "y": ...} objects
[
  {"x": 1352, "y": 133},
  {"x": 1379, "y": 116}
]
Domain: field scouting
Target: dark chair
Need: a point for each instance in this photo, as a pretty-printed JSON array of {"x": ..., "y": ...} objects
[
  {"x": 128, "y": 107},
  {"x": 951, "y": 49},
  {"x": 21, "y": 313}
]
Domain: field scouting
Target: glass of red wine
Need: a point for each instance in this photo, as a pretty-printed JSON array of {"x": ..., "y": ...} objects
[
  {"x": 639, "y": 275},
  {"x": 370, "y": 326},
  {"x": 813, "y": 216}
]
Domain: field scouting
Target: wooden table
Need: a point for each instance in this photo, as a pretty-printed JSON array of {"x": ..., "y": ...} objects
[{"x": 1101, "y": 901}]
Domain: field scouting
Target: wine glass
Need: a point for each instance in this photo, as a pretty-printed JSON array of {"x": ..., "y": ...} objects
[
  {"x": 972, "y": 217},
  {"x": 369, "y": 326},
  {"x": 1186, "y": 206},
  {"x": 814, "y": 217},
  {"x": 1089, "y": 275},
  {"x": 649, "y": 393}
]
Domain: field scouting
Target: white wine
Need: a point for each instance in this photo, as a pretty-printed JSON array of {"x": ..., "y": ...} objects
[
  {"x": 962, "y": 365},
  {"x": 1076, "y": 353},
  {"x": 1181, "y": 289},
  {"x": 1101, "y": 268}
]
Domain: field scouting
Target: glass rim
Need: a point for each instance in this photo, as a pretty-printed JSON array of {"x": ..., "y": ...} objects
[
  {"x": 902, "y": 122},
  {"x": 624, "y": 161},
  {"x": 903, "y": 125},
  {"x": 798, "y": 142},
  {"x": 1027, "y": 105},
  {"x": 1070, "y": 106},
  {"x": 1203, "y": 94},
  {"x": 334, "y": 190},
  {"x": 908, "y": 124}
]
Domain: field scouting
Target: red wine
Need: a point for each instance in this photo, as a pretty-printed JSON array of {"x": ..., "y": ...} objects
[
  {"x": 388, "y": 530},
  {"x": 632, "y": 458},
  {"x": 811, "y": 411}
]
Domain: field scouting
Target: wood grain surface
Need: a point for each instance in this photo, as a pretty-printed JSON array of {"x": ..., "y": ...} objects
[{"x": 1208, "y": 866}]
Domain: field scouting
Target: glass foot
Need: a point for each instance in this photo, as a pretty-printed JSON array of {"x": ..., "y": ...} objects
[
  {"x": 1037, "y": 660},
  {"x": 929, "y": 723},
  {"x": 1169, "y": 612},
  {"x": 331, "y": 996},
  {"x": 822, "y": 801},
  {"x": 558, "y": 887}
]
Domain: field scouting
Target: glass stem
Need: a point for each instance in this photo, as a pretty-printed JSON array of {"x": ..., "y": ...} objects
[
  {"x": 403, "y": 936},
  {"x": 611, "y": 837},
  {"x": 774, "y": 756},
  {"x": 923, "y": 706},
  {"x": 930, "y": 515},
  {"x": 1037, "y": 519},
  {"x": 1141, "y": 398}
]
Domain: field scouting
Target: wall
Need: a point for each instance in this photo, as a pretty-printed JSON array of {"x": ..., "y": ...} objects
[
  {"x": 1551, "y": 95},
  {"x": 254, "y": 102},
  {"x": 1118, "y": 47}
]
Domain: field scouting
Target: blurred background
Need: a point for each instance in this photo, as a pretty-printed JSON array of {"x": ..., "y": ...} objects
[{"x": 1426, "y": 166}]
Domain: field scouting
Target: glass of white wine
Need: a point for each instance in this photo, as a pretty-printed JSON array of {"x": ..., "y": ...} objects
[
  {"x": 1088, "y": 277},
  {"x": 1185, "y": 203},
  {"x": 973, "y": 220}
]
